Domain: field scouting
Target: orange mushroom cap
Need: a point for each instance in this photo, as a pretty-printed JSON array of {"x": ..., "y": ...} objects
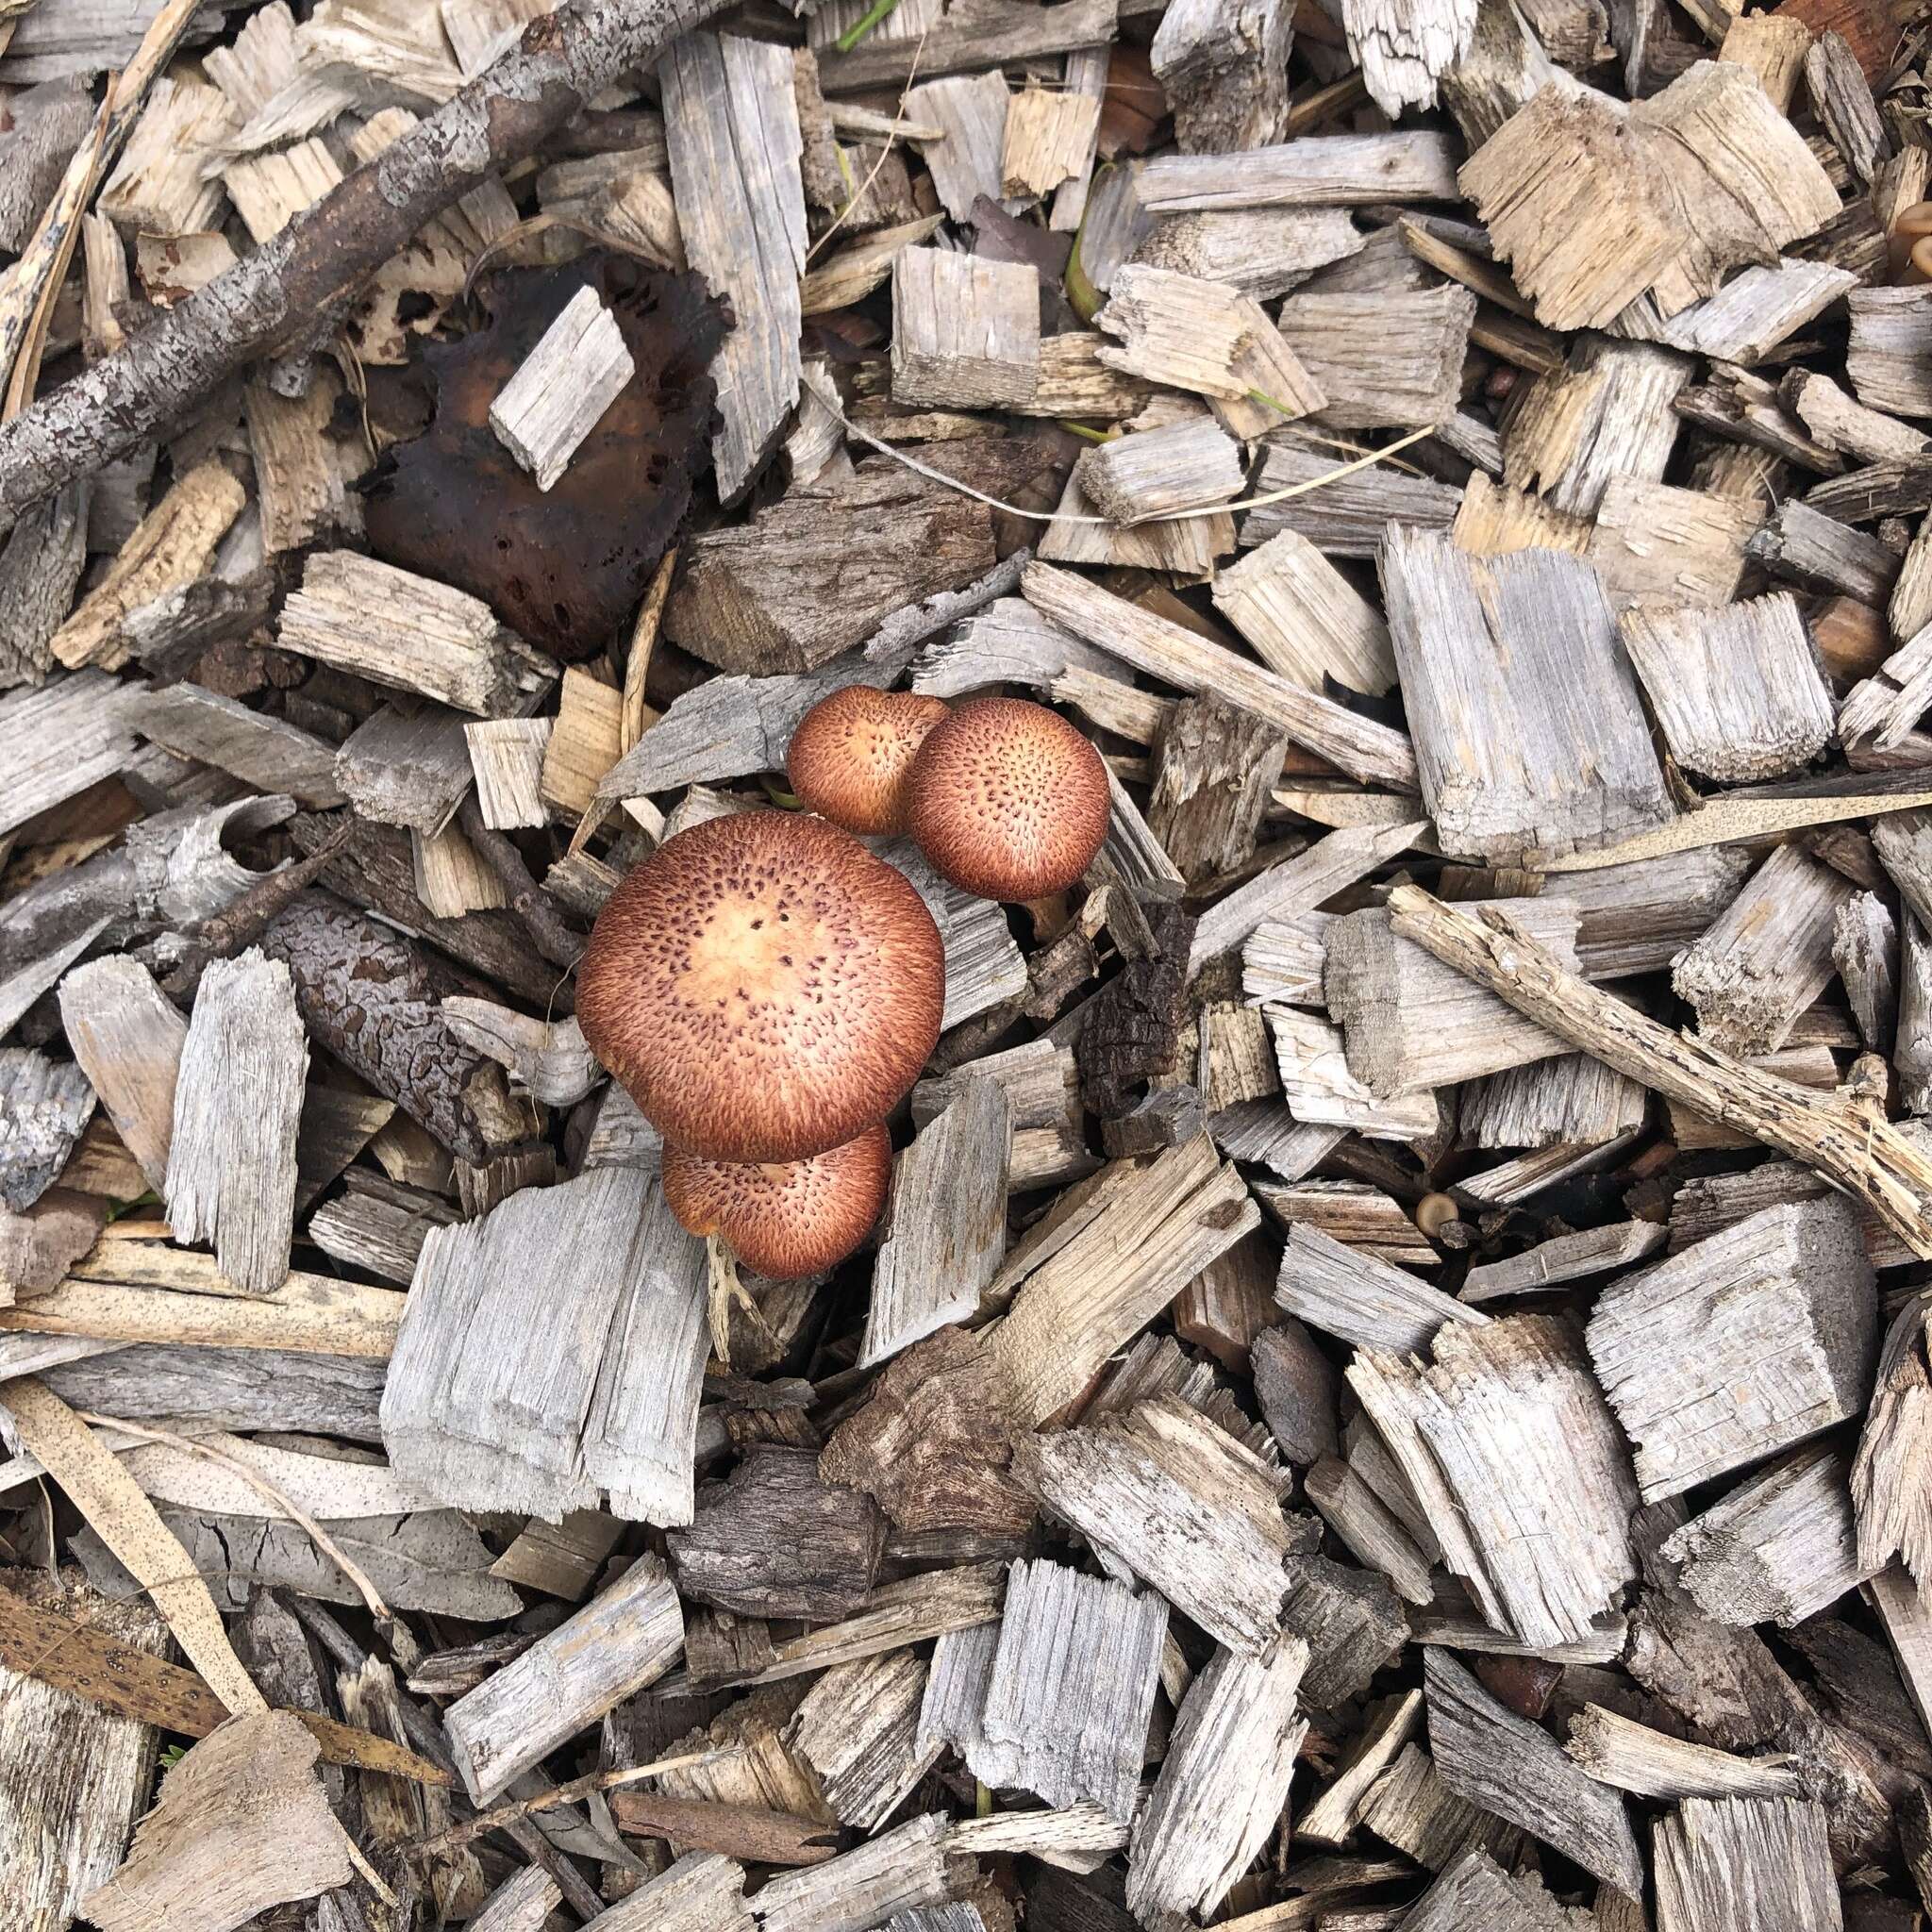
[
  {"x": 784, "y": 1218},
  {"x": 850, "y": 756},
  {"x": 762, "y": 986},
  {"x": 1007, "y": 800}
]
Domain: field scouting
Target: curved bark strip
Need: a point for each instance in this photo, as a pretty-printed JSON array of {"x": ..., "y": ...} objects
[{"x": 313, "y": 268}]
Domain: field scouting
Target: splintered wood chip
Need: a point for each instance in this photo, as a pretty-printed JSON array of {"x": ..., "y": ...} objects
[
  {"x": 563, "y": 567},
  {"x": 241, "y": 1824}
]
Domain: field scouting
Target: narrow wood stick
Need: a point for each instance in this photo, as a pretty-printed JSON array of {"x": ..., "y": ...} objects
[{"x": 1844, "y": 1135}]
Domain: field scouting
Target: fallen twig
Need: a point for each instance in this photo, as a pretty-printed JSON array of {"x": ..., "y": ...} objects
[{"x": 1844, "y": 1135}]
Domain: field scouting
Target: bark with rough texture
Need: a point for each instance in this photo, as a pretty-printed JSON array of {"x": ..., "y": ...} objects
[{"x": 292, "y": 288}]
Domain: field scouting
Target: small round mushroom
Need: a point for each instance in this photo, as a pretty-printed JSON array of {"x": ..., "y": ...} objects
[
  {"x": 784, "y": 1218},
  {"x": 852, "y": 751},
  {"x": 1007, "y": 800},
  {"x": 762, "y": 986}
]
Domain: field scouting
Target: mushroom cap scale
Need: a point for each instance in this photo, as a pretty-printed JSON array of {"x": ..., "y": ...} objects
[
  {"x": 1009, "y": 800},
  {"x": 852, "y": 752},
  {"x": 784, "y": 1219},
  {"x": 763, "y": 987}
]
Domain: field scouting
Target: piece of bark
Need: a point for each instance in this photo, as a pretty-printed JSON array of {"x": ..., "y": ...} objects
[
  {"x": 1887, "y": 1486},
  {"x": 1316, "y": 171},
  {"x": 1736, "y": 690},
  {"x": 1130, "y": 1485},
  {"x": 39, "y": 1246},
  {"x": 1303, "y": 619},
  {"x": 743, "y": 1831},
  {"x": 617, "y": 1644},
  {"x": 194, "y": 722},
  {"x": 731, "y": 128},
  {"x": 1447, "y": 609},
  {"x": 814, "y": 575},
  {"x": 215, "y": 1861},
  {"x": 1784, "y": 1311},
  {"x": 40, "y": 566},
  {"x": 1187, "y": 465},
  {"x": 1224, "y": 69},
  {"x": 1152, "y": 644},
  {"x": 776, "y": 1540},
  {"x": 1077, "y": 1303},
  {"x": 371, "y": 999},
  {"x": 1768, "y": 957},
  {"x": 399, "y": 629},
  {"x": 1754, "y": 1863},
  {"x": 129, "y": 1041},
  {"x": 1394, "y": 360},
  {"x": 237, "y": 1099},
  {"x": 945, "y": 1232},
  {"x": 931, "y": 1441},
  {"x": 1632, "y": 1757},
  {"x": 1223, "y": 1785},
  {"x": 45, "y": 1106},
  {"x": 1441, "y": 1425},
  {"x": 1296, "y": 1387},
  {"x": 965, "y": 332},
  {"x": 1518, "y": 1772},
  {"x": 858, "y": 1729},
  {"x": 1350, "y": 516},
  {"x": 1210, "y": 340},
  {"x": 1778, "y": 1548},
  {"x": 623, "y": 1339},
  {"x": 1060, "y": 1702}
]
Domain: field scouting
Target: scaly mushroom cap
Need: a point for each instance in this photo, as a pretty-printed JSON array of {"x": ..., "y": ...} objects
[
  {"x": 1007, "y": 800},
  {"x": 763, "y": 987},
  {"x": 784, "y": 1218},
  {"x": 852, "y": 751}
]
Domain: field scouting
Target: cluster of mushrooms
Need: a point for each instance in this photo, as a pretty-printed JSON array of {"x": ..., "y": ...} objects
[{"x": 767, "y": 990}]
